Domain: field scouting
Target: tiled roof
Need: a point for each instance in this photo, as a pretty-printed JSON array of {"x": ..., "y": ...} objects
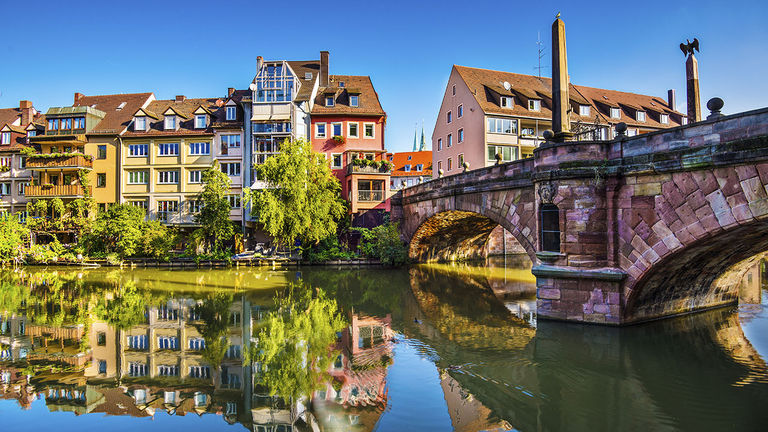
[
  {"x": 483, "y": 83},
  {"x": 301, "y": 68},
  {"x": 9, "y": 115},
  {"x": 220, "y": 116},
  {"x": 184, "y": 108},
  {"x": 401, "y": 159},
  {"x": 117, "y": 116},
  {"x": 368, "y": 102}
]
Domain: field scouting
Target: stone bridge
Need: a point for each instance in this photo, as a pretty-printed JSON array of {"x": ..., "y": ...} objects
[{"x": 646, "y": 225}]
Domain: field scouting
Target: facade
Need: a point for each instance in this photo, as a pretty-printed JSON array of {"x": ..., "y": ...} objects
[
  {"x": 168, "y": 146},
  {"x": 486, "y": 112},
  {"x": 228, "y": 145},
  {"x": 14, "y": 175},
  {"x": 348, "y": 124},
  {"x": 410, "y": 168}
]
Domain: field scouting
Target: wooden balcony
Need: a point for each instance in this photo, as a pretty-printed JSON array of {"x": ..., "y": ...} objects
[
  {"x": 49, "y": 191},
  {"x": 60, "y": 162}
]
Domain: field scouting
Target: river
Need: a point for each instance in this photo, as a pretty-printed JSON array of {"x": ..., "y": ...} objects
[{"x": 427, "y": 348}]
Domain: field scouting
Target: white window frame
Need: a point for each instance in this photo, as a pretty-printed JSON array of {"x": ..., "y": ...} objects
[
  {"x": 640, "y": 116},
  {"x": 373, "y": 130},
  {"x": 160, "y": 149},
  {"x": 235, "y": 201},
  {"x": 356, "y": 100},
  {"x": 341, "y": 160},
  {"x": 615, "y": 112},
  {"x": 340, "y": 125},
  {"x": 198, "y": 119},
  {"x": 439, "y": 165},
  {"x": 227, "y": 168},
  {"x": 439, "y": 144},
  {"x": 357, "y": 130},
  {"x": 407, "y": 167},
  {"x": 584, "y": 110},
  {"x": 138, "y": 150},
  {"x": 534, "y": 105},
  {"x": 506, "y": 102},
  {"x": 448, "y": 117},
  {"x": 167, "y": 177},
  {"x": 460, "y": 111},
  {"x": 664, "y": 119},
  {"x": 449, "y": 141},
  {"x": 170, "y": 122},
  {"x": 140, "y": 126},
  {"x": 460, "y": 137},
  {"x": 195, "y": 176},
  {"x": 5, "y": 137},
  {"x": 330, "y": 101},
  {"x": 450, "y": 164},
  {"x": 200, "y": 148},
  {"x": 229, "y": 138},
  {"x": 325, "y": 130},
  {"x": 231, "y": 113},
  {"x": 138, "y": 177}
]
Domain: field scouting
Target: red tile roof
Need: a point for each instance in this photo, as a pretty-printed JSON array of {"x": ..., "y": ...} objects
[
  {"x": 117, "y": 116},
  {"x": 400, "y": 160},
  {"x": 368, "y": 101},
  {"x": 186, "y": 120}
]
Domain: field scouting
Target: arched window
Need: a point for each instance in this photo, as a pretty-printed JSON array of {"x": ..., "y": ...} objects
[{"x": 550, "y": 228}]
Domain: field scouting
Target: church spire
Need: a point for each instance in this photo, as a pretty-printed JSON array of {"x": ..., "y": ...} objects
[
  {"x": 423, "y": 146},
  {"x": 415, "y": 135}
]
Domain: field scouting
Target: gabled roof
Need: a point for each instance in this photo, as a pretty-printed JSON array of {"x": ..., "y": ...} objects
[
  {"x": 368, "y": 99},
  {"x": 184, "y": 109},
  {"x": 9, "y": 116},
  {"x": 118, "y": 110},
  {"x": 301, "y": 68},
  {"x": 480, "y": 81},
  {"x": 420, "y": 157},
  {"x": 145, "y": 112}
]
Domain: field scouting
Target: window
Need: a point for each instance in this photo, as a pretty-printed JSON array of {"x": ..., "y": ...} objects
[
  {"x": 168, "y": 370},
  {"x": 137, "y": 342},
  {"x": 231, "y": 113},
  {"x": 336, "y": 129},
  {"x": 102, "y": 152},
  {"x": 368, "y": 131},
  {"x": 342, "y": 84},
  {"x": 453, "y": 90},
  {"x": 502, "y": 126},
  {"x": 31, "y": 133},
  {"x": 419, "y": 167},
  {"x": 352, "y": 130},
  {"x": 234, "y": 201},
  {"x": 527, "y": 132},
  {"x": 168, "y": 177},
  {"x": 685, "y": 120},
  {"x": 320, "y": 130},
  {"x": 167, "y": 342},
  {"x": 53, "y": 124},
  {"x": 407, "y": 168},
  {"x": 584, "y": 110},
  {"x": 102, "y": 366},
  {"x": 101, "y": 180},
  {"x": 169, "y": 397},
  {"x": 449, "y": 141},
  {"x": 460, "y": 111},
  {"x": 138, "y": 177},
  {"x": 534, "y": 105},
  {"x": 508, "y": 153},
  {"x": 461, "y": 135},
  {"x": 664, "y": 119},
  {"x": 336, "y": 160},
  {"x": 5, "y": 138},
  {"x": 233, "y": 351},
  {"x": 170, "y": 122},
  {"x": 138, "y": 370},
  {"x": 5, "y": 161},
  {"x": 550, "y": 228},
  {"x": 138, "y": 150},
  {"x": 101, "y": 339},
  {"x": 196, "y": 344},
  {"x": 640, "y": 116},
  {"x": 450, "y": 164},
  {"x": 195, "y": 206},
  {"x": 274, "y": 83},
  {"x": 200, "y": 121},
  {"x": 168, "y": 149},
  {"x": 142, "y": 204},
  {"x": 354, "y": 100},
  {"x": 631, "y": 132},
  {"x": 231, "y": 141},
  {"x": 140, "y": 123},
  {"x": 439, "y": 144},
  {"x": 448, "y": 117},
  {"x": 199, "y": 148},
  {"x": 615, "y": 112},
  {"x": 329, "y": 101},
  {"x": 22, "y": 188},
  {"x": 231, "y": 169},
  {"x": 66, "y": 123},
  {"x": 272, "y": 127},
  {"x": 195, "y": 176},
  {"x": 461, "y": 160},
  {"x": 506, "y": 102},
  {"x": 199, "y": 372}
]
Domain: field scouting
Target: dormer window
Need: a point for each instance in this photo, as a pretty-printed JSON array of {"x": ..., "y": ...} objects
[
  {"x": 640, "y": 116},
  {"x": 419, "y": 167},
  {"x": 170, "y": 122},
  {"x": 664, "y": 119},
  {"x": 615, "y": 112},
  {"x": 200, "y": 121},
  {"x": 231, "y": 113},
  {"x": 121, "y": 106},
  {"x": 31, "y": 133},
  {"x": 534, "y": 105},
  {"x": 341, "y": 84},
  {"x": 5, "y": 138},
  {"x": 140, "y": 123},
  {"x": 506, "y": 102},
  {"x": 354, "y": 100},
  {"x": 407, "y": 167},
  {"x": 307, "y": 76},
  {"x": 584, "y": 110},
  {"x": 329, "y": 101}
]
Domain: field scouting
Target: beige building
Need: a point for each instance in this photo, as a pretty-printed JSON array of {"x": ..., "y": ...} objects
[
  {"x": 16, "y": 124},
  {"x": 486, "y": 112}
]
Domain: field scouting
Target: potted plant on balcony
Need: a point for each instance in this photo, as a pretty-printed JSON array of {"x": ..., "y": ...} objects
[
  {"x": 339, "y": 139},
  {"x": 47, "y": 185},
  {"x": 385, "y": 166}
]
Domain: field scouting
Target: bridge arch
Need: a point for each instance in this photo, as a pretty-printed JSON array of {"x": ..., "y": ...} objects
[{"x": 458, "y": 227}]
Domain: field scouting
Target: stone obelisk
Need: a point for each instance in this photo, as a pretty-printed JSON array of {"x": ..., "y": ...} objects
[
  {"x": 694, "y": 100},
  {"x": 561, "y": 124}
]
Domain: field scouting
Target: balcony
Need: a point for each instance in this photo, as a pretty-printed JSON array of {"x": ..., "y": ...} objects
[
  {"x": 45, "y": 162},
  {"x": 50, "y": 191},
  {"x": 370, "y": 195},
  {"x": 354, "y": 169}
]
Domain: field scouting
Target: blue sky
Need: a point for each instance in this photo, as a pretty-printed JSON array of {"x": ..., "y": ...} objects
[{"x": 200, "y": 48}]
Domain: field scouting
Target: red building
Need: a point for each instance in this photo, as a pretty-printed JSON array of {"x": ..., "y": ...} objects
[{"x": 348, "y": 127}]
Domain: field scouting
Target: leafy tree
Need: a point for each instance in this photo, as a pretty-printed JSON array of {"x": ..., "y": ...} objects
[
  {"x": 295, "y": 342},
  {"x": 126, "y": 307},
  {"x": 13, "y": 239},
  {"x": 216, "y": 228},
  {"x": 214, "y": 315},
  {"x": 303, "y": 200},
  {"x": 118, "y": 230},
  {"x": 384, "y": 243},
  {"x": 156, "y": 239}
]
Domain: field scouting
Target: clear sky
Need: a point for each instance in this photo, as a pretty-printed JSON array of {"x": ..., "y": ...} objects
[{"x": 199, "y": 49}]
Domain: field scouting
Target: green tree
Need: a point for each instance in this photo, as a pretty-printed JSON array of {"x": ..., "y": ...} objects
[
  {"x": 384, "y": 243},
  {"x": 126, "y": 307},
  {"x": 303, "y": 200},
  {"x": 118, "y": 230},
  {"x": 14, "y": 237},
  {"x": 216, "y": 228},
  {"x": 214, "y": 316},
  {"x": 156, "y": 239}
]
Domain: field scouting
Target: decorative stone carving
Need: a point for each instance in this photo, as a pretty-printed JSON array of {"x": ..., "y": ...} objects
[{"x": 547, "y": 192}]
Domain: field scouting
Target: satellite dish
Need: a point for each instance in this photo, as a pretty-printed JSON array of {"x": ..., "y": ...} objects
[
  {"x": 507, "y": 85},
  {"x": 252, "y": 86}
]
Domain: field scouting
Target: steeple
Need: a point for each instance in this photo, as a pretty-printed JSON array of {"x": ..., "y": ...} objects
[
  {"x": 423, "y": 146},
  {"x": 415, "y": 134}
]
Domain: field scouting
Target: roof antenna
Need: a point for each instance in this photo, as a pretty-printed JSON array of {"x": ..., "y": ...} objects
[{"x": 540, "y": 50}]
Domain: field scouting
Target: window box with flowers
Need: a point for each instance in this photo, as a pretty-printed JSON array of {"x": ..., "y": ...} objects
[{"x": 339, "y": 139}]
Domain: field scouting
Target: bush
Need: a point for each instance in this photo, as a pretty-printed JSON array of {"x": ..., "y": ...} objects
[
  {"x": 383, "y": 243},
  {"x": 328, "y": 249},
  {"x": 13, "y": 239},
  {"x": 157, "y": 240}
]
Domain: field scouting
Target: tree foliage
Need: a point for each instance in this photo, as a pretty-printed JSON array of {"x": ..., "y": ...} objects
[
  {"x": 122, "y": 230},
  {"x": 126, "y": 307},
  {"x": 303, "y": 200},
  {"x": 13, "y": 239},
  {"x": 216, "y": 228},
  {"x": 384, "y": 243}
]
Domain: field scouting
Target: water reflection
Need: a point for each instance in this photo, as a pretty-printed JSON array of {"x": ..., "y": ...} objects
[{"x": 322, "y": 349}]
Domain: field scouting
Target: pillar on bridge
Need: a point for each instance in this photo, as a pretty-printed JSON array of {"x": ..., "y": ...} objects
[{"x": 561, "y": 123}]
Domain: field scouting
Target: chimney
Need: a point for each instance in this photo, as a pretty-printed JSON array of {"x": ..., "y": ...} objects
[
  {"x": 692, "y": 78},
  {"x": 259, "y": 63},
  {"x": 27, "y": 112},
  {"x": 180, "y": 98},
  {"x": 671, "y": 99},
  {"x": 230, "y": 91},
  {"x": 78, "y": 96},
  {"x": 324, "y": 68},
  {"x": 561, "y": 124}
]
